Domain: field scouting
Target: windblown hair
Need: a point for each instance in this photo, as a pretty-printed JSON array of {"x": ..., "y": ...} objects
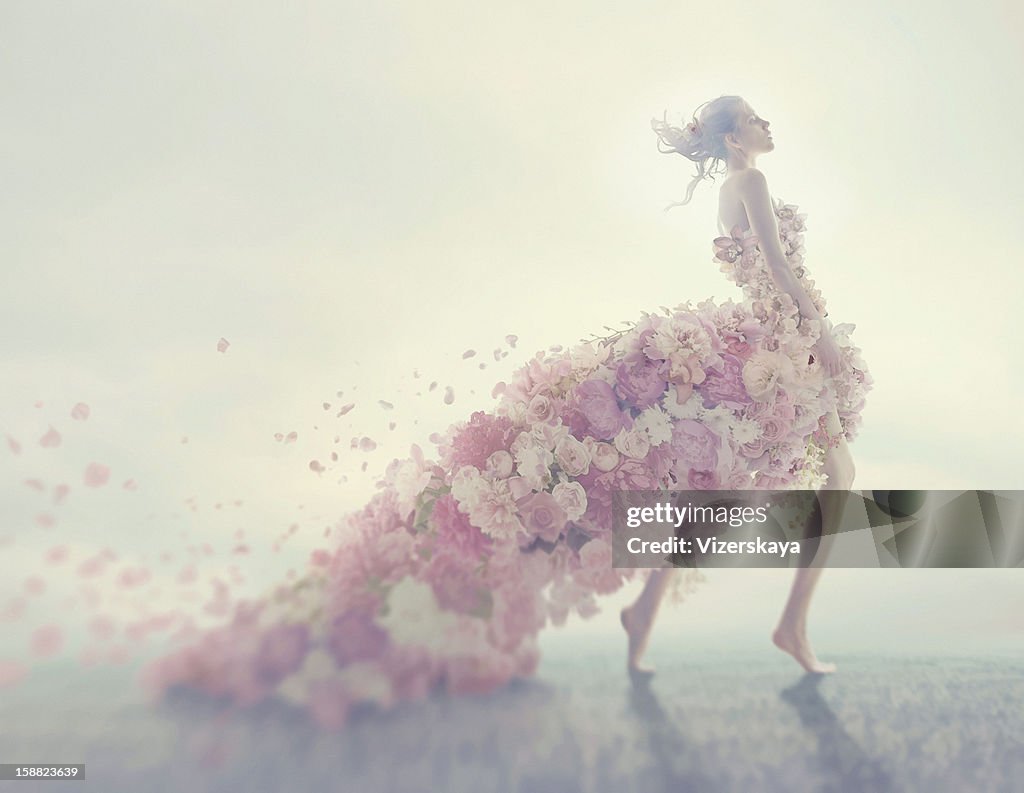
[{"x": 702, "y": 141}]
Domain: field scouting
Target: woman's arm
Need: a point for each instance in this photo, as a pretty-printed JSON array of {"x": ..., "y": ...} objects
[{"x": 753, "y": 191}]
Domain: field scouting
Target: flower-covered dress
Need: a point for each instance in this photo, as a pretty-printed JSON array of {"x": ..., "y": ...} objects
[{"x": 444, "y": 579}]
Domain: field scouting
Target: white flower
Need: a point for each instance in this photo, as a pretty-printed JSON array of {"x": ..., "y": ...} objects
[
  {"x": 690, "y": 409},
  {"x": 414, "y": 616},
  {"x": 586, "y": 358},
  {"x": 572, "y": 456},
  {"x": 467, "y": 487},
  {"x": 656, "y": 424},
  {"x": 602, "y": 455},
  {"x": 720, "y": 419},
  {"x": 409, "y": 477},
  {"x": 516, "y": 411},
  {"x": 571, "y": 497},
  {"x": 761, "y": 374},
  {"x": 499, "y": 465},
  {"x": 632, "y": 443},
  {"x": 549, "y": 436},
  {"x": 746, "y": 430},
  {"x": 534, "y": 464}
]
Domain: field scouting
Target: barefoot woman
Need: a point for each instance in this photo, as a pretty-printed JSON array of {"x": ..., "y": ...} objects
[{"x": 730, "y": 130}]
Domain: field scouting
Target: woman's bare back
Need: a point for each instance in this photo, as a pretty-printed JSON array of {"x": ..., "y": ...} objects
[
  {"x": 731, "y": 211},
  {"x": 730, "y": 208}
]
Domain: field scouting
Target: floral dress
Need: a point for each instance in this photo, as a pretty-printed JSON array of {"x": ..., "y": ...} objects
[{"x": 444, "y": 579}]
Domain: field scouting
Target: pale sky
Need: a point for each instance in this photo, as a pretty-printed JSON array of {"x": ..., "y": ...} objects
[{"x": 349, "y": 192}]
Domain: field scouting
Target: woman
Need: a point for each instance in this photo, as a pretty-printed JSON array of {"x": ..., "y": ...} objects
[
  {"x": 730, "y": 131},
  {"x": 444, "y": 579}
]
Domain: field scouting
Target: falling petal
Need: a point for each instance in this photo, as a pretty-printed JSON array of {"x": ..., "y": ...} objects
[
  {"x": 385, "y": 405},
  {"x": 334, "y": 457},
  {"x": 132, "y": 577},
  {"x": 91, "y": 567},
  {"x": 433, "y": 386},
  {"x": 498, "y": 390},
  {"x": 96, "y": 475},
  {"x": 13, "y": 445},
  {"x": 391, "y": 425},
  {"x": 449, "y": 395},
  {"x": 315, "y": 465},
  {"x": 435, "y": 438},
  {"x": 483, "y": 366},
  {"x": 13, "y": 610},
  {"x": 57, "y": 554},
  {"x": 279, "y": 436},
  {"x": 44, "y": 520},
  {"x": 184, "y": 439},
  {"x": 80, "y": 412},
  {"x": 50, "y": 439},
  {"x": 60, "y": 492},
  {"x": 291, "y": 437},
  {"x": 364, "y": 466},
  {"x": 511, "y": 340},
  {"x": 367, "y": 444},
  {"x": 11, "y": 672},
  {"x": 416, "y": 373},
  {"x": 35, "y": 484},
  {"x": 327, "y": 405},
  {"x": 129, "y": 484},
  {"x": 47, "y": 641},
  {"x": 34, "y": 585},
  {"x": 103, "y": 628},
  {"x": 346, "y": 409},
  {"x": 497, "y": 353},
  {"x": 468, "y": 354},
  {"x": 223, "y": 345}
]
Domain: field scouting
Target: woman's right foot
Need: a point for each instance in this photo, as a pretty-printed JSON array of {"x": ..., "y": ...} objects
[
  {"x": 637, "y": 644},
  {"x": 796, "y": 645}
]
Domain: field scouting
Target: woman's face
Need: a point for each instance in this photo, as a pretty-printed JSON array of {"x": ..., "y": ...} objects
[{"x": 752, "y": 135}]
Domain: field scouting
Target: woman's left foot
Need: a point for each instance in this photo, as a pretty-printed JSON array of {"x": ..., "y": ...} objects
[
  {"x": 798, "y": 646},
  {"x": 637, "y": 643}
]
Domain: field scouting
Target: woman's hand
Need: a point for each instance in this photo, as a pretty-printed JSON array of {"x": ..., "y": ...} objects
[{"x": 827, "y": 352}]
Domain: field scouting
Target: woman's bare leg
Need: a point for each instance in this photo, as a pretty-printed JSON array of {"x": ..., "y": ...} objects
[
  {"x": 791, "y": 633},
  {"x": 639, "y": 618}
]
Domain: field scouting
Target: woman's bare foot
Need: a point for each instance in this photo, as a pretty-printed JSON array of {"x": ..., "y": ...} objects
[
  {"x": 637, "y": 644},
  {"x": 788, "y": 640}
]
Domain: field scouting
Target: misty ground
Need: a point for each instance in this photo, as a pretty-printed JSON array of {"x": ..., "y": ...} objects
[{"x": 711, "y": 720}]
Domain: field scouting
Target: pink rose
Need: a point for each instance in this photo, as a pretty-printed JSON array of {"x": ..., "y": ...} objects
[
  {"x": 774, "y": 429},
  {"x": 543, "y": 516},
  {"x": 541, "y": 409},
  {"x": 604, "y": 456},
  {"x": 703, "y": 480}
]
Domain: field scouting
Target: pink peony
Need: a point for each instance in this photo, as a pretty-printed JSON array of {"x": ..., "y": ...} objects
[
  {"x": 455, "y": 534},
  {"x": 474, "y": 442},
  {"x": 695, "y": 444},
  {"x": 641, "y": 382},
  {"x": 725, "y": 387},
  {"x": 353, "y": 637},
  {"x": 281, "y": 652},
  {"x": 598, "y": 403}
]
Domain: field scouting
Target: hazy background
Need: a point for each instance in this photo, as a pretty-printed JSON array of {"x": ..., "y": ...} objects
[{"x": 350, "y": 192}]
